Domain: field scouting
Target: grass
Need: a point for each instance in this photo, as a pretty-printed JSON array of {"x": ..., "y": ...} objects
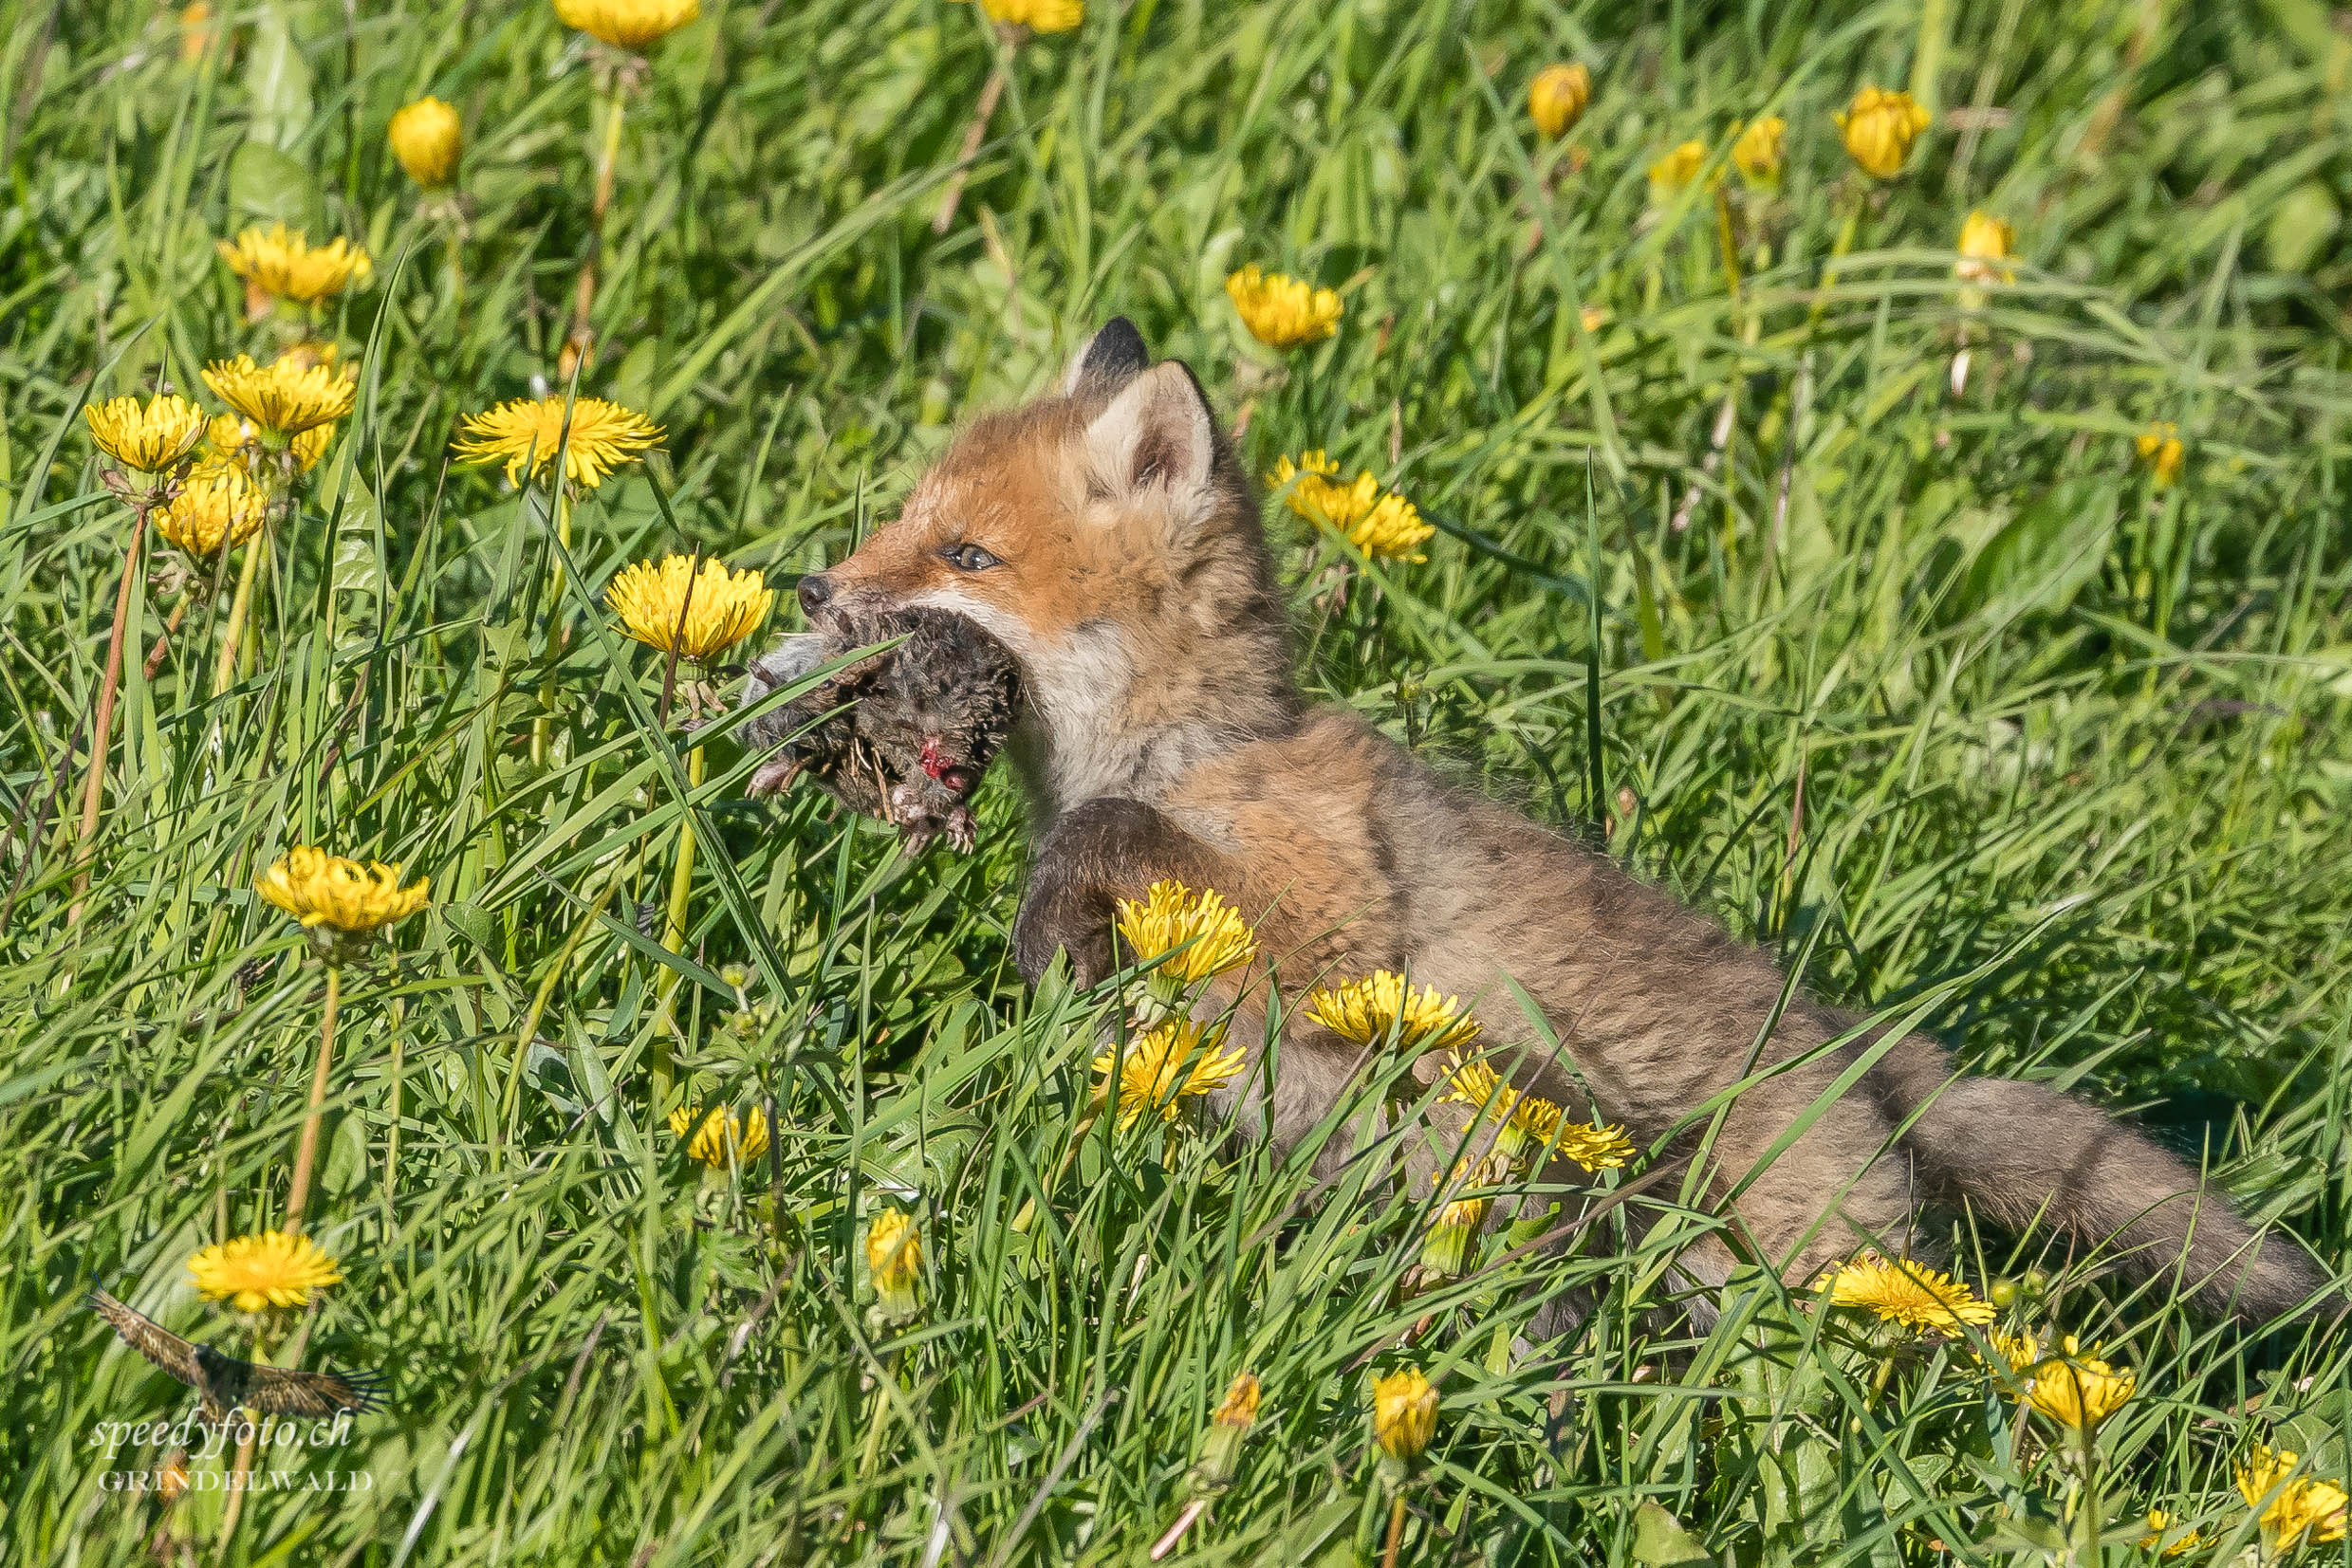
[{"x": 1936, "y": 690}]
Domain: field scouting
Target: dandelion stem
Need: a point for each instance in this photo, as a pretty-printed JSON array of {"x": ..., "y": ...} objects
[
  {"x": 1167, "y": 1544},
  {"x": 226, "y": 671},
  {"x": 101, "y": 728},
  {"x": 974, "y": 133},
  {"x": 163, "y": 650},
  {"x": 1396, "y": 1531},
  {"x": 306, "y": 1151},
  {"x": 616, "y": 104},
  {"x": 673, "y": 933}
]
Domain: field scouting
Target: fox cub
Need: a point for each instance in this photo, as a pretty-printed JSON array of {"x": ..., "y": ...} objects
[{"x": 1107, "y": 536}]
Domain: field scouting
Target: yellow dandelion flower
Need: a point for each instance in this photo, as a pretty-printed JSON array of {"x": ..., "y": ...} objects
[
  {"x": 283, "y": 398},
  {"x": 273, "y": 1269},
  {"x": 1404, "y": 1415},
  {"x": 894, "y": 1256},
  {"x": 318, "y": 889},
  {"x": 2076, "y": 1390},
  {"x": 2160, "y": 449},
  {"x": 1220, "y": 1446},
  {"x": 1384, "y": 527},
  {"x": 1367, "y": 1010},
  {"x": 721, "y": 1138},
  {"x": 1986, "y": 244},
  {"x": 1036, "y": 15},
  {"x": 218, "y": 507},
  {"x": 2159, "y": 1522},
  {"x": 1162, "y": 1068},
  {"x": 149, "y": 436},
  {"x": 232, "y": 440},
  {"x": 1239, "y": 1408},
  {"x": 528, "y": 430},
  {"x": 894, "y": 1249},
  {"x": 2294, "y": 1509},
  {"x": 428, "y": 141},
  {"x": 195, "y": 31},
  {"x": 1879, "y": 127},
  {"x": 692, "y": 612},
  {"x": 1211, "y": 932},
  {"x": 1670, "y": 174},
  {"x": 633, "y": 24},
  {"x": 286, "y": 264},
  {"x": 1757, "y": 151},
  {"x": 2018, "y": 1352},
  {"x": 1281, "y": 311},
  {"x": 1595, "y": 1146},
  {"x": 1906, "y": 1293},
  {"x": 1557, "y": 97}
]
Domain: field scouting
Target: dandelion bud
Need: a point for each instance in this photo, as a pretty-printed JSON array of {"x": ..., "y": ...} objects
[
  {"x": 1404, "y": 1417},
  {"x": 1557, "y": 97},
  {"x": 1220, "y": 1449},
  {"x": 1446, "y": 1251},
  {"x": 427, "y": 140},
  {"x": 2160, "y": 448},
  {"x": 1670, "y": 174},
  {"x": 893, "y": 1255},
  {"x": 1756, "y": 152},
  {"x": 1879, "y": 128}
]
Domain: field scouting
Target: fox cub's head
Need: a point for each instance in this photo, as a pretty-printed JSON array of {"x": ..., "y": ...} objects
[{"x": 1105, "y": 534}]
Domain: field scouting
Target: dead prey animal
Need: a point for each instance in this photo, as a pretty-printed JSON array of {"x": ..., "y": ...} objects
[{"x": 904, "y": 735}]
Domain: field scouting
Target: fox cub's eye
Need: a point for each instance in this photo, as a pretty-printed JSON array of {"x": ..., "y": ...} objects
[{"x": 969, "y": 558}]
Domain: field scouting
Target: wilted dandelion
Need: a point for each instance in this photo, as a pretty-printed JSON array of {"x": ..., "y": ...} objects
[
  {"x": 2294, "y": 1509},
  {"x": 1903, "y": 1292},
  {"x": 1879, "y": 128},
  {"x": 276, "y": 1268},
  {"x": 318, "y": 889},
  {"x": 149, "y": 436},
  {"x": 1367, "y": 1010},
  {"x": 218, "y": 507},
  {"x": 894, "y": 1256},
  {"x": 1404, "y": 1415},
  {"x": 603, "y": 437},
  {"x": 1193, "y": 937},
  {"x": 1281, "y": 311},
  {"x": 1036, "y": 15},
  {"x": 1757, "y": 151},
  {"x": 1386, "y": 527},
  {"x": 285, "y": 265},
  {"x": 428, "y": 139},
  {"x": 283, "y": 398},
  {"x": 1557, "y": 97},
  {"x": 1672, "y": 173},
  {"x": 1986, "y": 246},
  {"x": 2160, "y": 448},
  {"x": 1162, "y": 1068},
  {"x": 721, "y": 1138},
  {"x": 632, "y": 24},
  {"x": 694, "y": 610}
]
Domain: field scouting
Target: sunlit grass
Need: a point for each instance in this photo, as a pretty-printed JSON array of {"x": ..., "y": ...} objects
[{"x": 1915, "y": 663}]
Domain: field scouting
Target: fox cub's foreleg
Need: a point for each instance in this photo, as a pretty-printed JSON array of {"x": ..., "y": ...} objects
[{"x": 1096, "y": 854}]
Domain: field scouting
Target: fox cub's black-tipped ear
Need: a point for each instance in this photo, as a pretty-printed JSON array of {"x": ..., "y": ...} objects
[
  {"x": 1111, "y": 358},
  {"x": 1157, "y": 432}
]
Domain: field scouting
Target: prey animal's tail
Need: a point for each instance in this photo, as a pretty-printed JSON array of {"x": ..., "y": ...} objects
[{"x": 2022, "y": 1155}]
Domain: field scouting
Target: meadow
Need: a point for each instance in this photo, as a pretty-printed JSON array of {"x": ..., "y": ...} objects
[{"x": 1971, "y": 631}]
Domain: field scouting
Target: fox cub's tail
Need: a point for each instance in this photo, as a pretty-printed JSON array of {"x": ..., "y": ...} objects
[{"x": 2023, "y": 1154}]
